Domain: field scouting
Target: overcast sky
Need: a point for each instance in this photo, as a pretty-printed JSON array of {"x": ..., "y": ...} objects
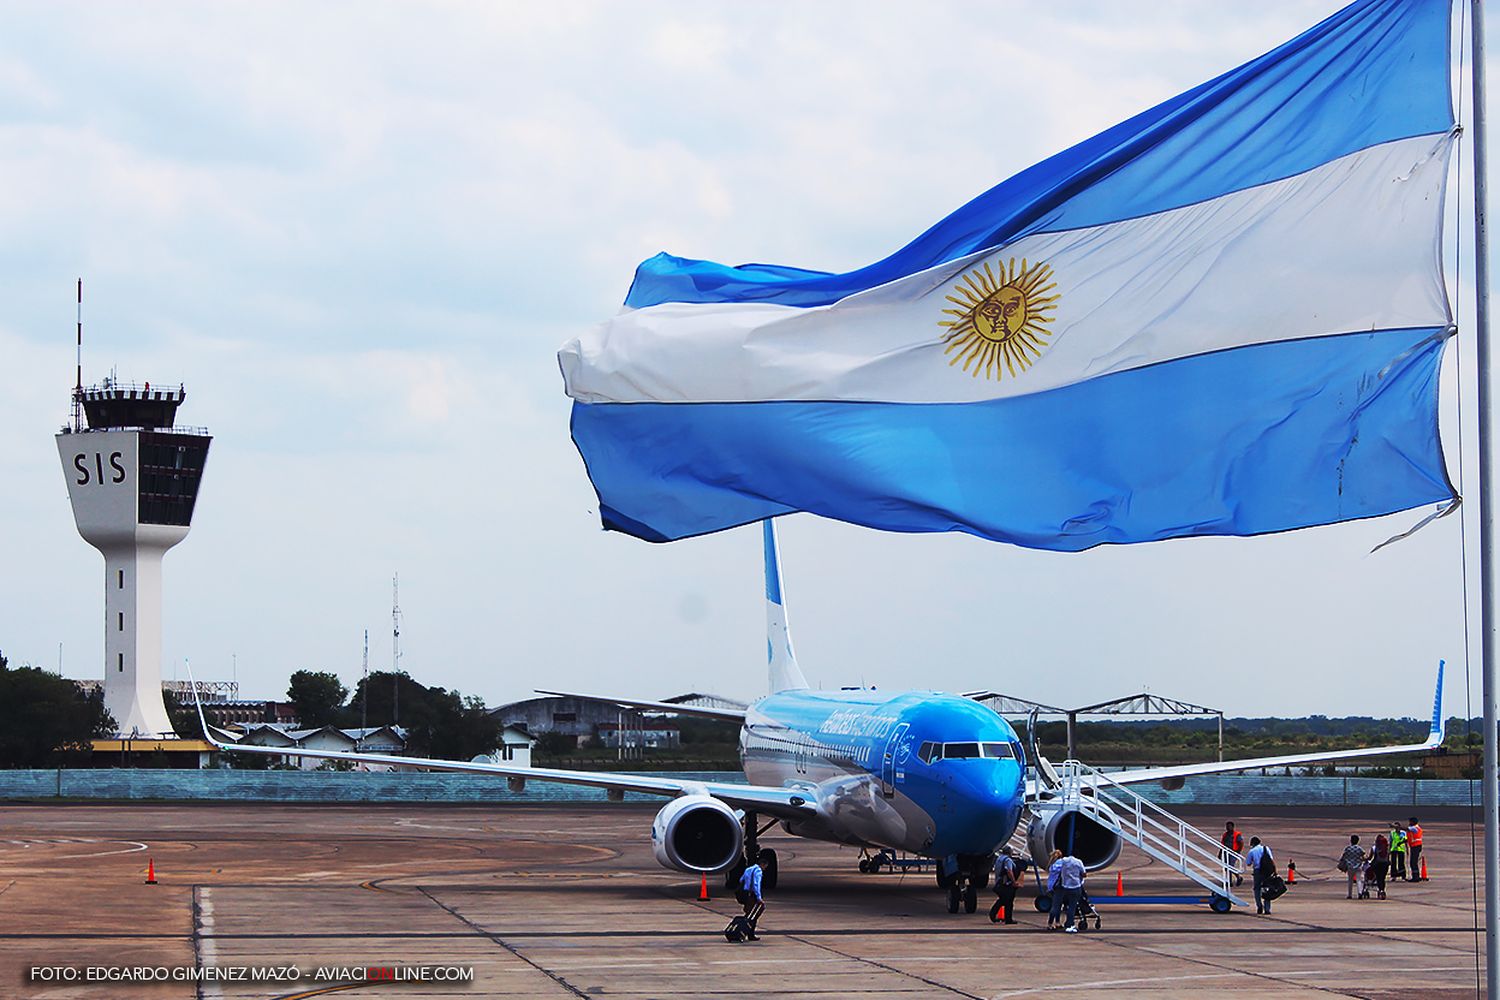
[{"x": 359, "y": 232}]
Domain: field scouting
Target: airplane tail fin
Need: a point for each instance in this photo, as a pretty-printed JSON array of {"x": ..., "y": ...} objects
[{"x": 785, "y": 674}]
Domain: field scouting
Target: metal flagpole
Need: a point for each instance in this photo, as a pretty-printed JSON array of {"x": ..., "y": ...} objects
[{"x": 1487, "y": 643}]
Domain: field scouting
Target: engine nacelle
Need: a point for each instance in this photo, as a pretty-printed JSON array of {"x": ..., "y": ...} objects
[
  {"x": 697, "y": 834},
  {"x": 1074, "y": 832}
]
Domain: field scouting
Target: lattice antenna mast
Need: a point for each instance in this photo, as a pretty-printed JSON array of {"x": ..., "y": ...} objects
[
  {"x": 364, "y": 688},
  {"x": 395, "y": 649}
]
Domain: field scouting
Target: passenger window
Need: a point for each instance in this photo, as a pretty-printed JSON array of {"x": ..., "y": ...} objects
[
  {"x": 953, "y": 751},
  {"x": 1000, "y": 750}
]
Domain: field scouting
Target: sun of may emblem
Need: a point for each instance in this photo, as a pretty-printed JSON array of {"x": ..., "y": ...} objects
[{"x": 1000, "y": 323}]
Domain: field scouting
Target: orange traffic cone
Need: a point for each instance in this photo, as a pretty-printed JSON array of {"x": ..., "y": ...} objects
[
  {"x": 1291, "y": 873},
  {"x": 150, "y": 871},
  {"x": 1119, "y": 883},
  {"x": 703, "y": 890},
  {"x": 1424, "y": 870}
]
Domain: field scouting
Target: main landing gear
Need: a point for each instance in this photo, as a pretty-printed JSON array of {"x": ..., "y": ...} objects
[
  {"x": 963, "y": 876},
  {"x": 769, "y": 868}
]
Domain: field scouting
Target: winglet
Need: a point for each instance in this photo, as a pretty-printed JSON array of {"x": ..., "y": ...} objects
[
  {"x": 1435, "y": 736},
  {"x": 208, "y": 731}
]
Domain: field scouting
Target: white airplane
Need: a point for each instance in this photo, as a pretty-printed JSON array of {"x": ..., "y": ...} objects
[{"x": 932, "y": 774}]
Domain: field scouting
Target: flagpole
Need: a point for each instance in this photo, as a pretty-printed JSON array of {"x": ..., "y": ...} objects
[{"x": 1487, "y": 642}]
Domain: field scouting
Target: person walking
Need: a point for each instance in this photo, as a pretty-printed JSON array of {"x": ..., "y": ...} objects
[
  {"x": 1352, "y": 863},
  {"x": 1070, "y": 876},
  {"x": 1054, "y": 872},
  {"x": 1380, "y": 863},
  {"x": 1398, "y": 851},
  {"x": 1007, "y": 881},
  {"x": 1414, "y": 851},
  {"x": 1234, "y": 847},
  {"x": 1262, "y": 867},
  {"x": 750, "y": 896}
]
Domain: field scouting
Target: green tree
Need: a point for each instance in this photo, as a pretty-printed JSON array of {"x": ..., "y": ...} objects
[
  {"x": 438, "y": 722},
  {"x": 318, "y": 697},
  {"x": 183, "y": 716},
  {"x": 45, "y": 720}
]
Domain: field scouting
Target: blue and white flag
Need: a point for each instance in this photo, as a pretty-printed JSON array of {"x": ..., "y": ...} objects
[{"x": 1224, "y": 316}]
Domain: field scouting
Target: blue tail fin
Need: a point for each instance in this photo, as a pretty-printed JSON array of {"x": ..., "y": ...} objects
[{"x": 785, "y": 674}]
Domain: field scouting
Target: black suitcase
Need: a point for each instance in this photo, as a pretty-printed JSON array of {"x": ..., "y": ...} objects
[
  {"x": 738, "y": 930},
  {"x": 1273, "y": 888}
]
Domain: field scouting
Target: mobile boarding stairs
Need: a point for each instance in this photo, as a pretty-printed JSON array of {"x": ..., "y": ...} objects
[{"x": 1197, "y": 855}]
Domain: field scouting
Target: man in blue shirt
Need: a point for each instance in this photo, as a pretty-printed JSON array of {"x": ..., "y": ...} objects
[
  {"x": 749, "y": 896},
  {"x": 1065, "y": 882},
  {"x": 1262, "y": 867}
]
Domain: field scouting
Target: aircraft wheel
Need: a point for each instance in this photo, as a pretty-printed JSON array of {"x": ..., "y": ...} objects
[
  {"x": 971, "y": 899},
  {"x": 769, "y": 870},
  {"x": 955, "y": 896},
  {"x": 1043, "y": 903}
]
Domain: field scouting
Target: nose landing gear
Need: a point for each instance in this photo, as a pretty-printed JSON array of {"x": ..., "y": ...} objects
[{"x": 963, "y": 877}]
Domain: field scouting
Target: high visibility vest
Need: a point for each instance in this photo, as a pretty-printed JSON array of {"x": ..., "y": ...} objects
[
  {"x": 1234, "y": 841},
  {"x": 1398, "y": 841},
  {"x": 1414, "y": 836}
]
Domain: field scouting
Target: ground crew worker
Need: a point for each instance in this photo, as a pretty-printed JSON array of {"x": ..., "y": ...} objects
[
  {"x": 1007, "y": 881},
  {"x": 1398, "y": 851},
  {"x": 1233, "y": 842},
  {"x": 1414, "y": 851},
  {"x": 750, "y": 896}
]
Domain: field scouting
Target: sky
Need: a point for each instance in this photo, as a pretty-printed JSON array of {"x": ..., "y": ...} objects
[{"x": 358, "y": 233}]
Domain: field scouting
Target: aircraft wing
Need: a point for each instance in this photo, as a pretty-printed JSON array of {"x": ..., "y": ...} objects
[
  {"x": 786, "y": 803},
  {"x": 1434, "y": 739},
  {"x": 736, "y": 715}
]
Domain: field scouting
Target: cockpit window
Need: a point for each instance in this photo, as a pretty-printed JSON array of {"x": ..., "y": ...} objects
[
  {"x": 1001, "y": 750},
  {"x": 959, "y": 751},
  {"x": 930, "y": 752}
]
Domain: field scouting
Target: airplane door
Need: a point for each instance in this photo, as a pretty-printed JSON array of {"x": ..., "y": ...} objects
[{"x": 888, "y": 761}]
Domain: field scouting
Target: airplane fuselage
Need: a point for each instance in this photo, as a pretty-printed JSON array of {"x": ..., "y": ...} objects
[{"x": 917, "y": 771}]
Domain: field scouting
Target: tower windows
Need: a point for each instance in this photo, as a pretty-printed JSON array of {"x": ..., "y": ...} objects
[
  {"x": 122, "y": 621},
  {"x": 121, "y": 662},
  {"x": 122, "y": 579}
]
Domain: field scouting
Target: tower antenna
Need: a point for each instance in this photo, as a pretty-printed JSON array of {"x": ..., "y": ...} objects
[
  {"x": 78, "y": 367},
  {"x": 395, "y": 649}
]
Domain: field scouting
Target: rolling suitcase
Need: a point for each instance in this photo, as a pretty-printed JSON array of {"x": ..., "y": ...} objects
[{"x": 737, "y": 930}]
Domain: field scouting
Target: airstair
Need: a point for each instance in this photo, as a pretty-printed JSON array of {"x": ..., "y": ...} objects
[{"x": 1199, "y": 856}]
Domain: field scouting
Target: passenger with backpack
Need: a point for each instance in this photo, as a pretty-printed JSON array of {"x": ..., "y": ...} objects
[
  {"x": 1008, "y": 869},
  {"x": 1263, "y": 875},
  {"x": 1352, "y": 864},
  {"x": 742, "y": 928}
]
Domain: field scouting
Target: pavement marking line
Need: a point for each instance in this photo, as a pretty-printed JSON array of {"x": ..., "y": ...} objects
[
  {"x": 205, "y": 952},
  {"x": 100, "y": 854},
  {"x": 1104, "y": 983},
  {"x": 504, "y": 944}
]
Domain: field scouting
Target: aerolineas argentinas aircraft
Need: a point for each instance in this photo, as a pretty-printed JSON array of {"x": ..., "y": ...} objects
[{"x": 932, "y": 774}]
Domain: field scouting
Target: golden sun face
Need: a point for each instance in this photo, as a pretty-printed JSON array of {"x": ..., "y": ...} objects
[{"x": 1000, "y": 323}]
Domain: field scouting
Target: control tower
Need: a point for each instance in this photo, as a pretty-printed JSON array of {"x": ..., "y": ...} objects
[{"x": 132, "y": 478}]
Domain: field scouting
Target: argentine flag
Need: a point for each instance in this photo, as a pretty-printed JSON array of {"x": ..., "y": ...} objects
[{"x": 1224, "y": 316}]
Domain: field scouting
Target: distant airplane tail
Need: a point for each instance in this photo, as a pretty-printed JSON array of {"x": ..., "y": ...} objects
[{"x": 785, "y": 674}]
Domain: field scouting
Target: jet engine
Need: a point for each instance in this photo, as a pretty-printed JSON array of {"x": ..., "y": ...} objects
[
  {"x": 1090, "y": 836},
  {"x": 697, "y": 834}
]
